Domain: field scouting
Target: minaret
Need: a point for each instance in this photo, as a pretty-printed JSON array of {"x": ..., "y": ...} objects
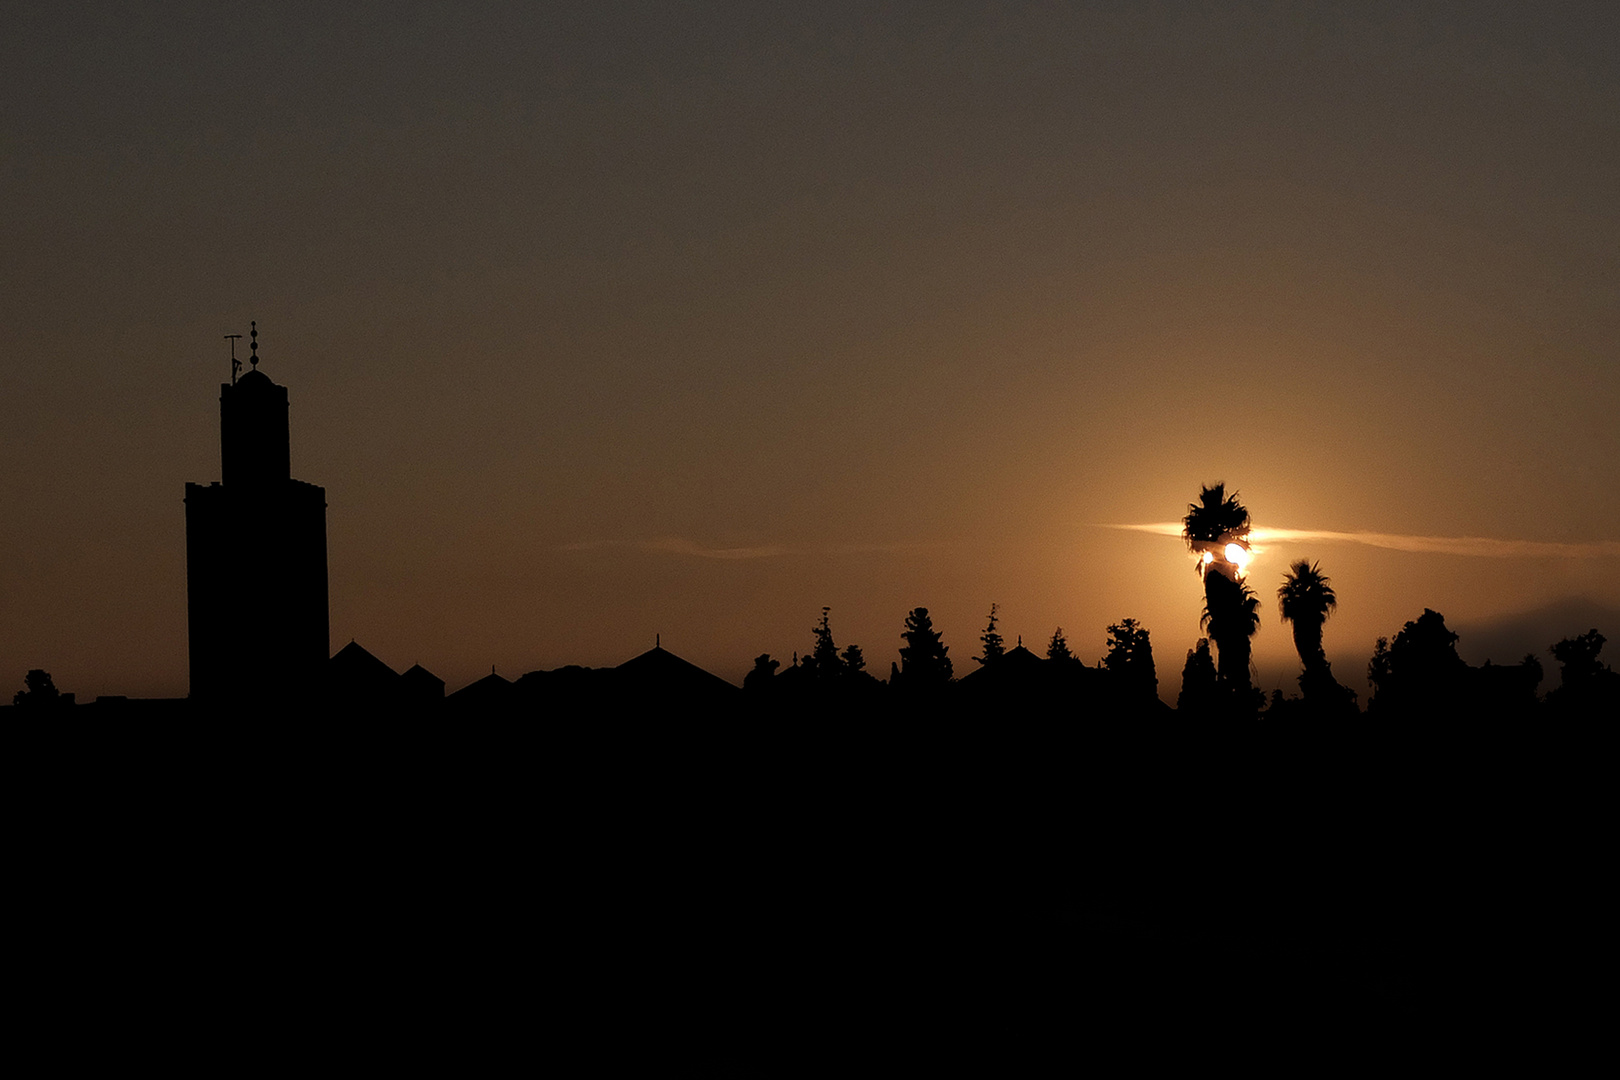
[
  {"x": 254, "y": 443},
  {"x": 256, "y": 590}
]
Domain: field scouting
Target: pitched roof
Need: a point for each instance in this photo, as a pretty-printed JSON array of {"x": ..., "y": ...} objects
[
  {"x": 658, "y": 669},
  {"x": 488, "y": 689},
  {"x": 354, "y": 661},
  {"x": 422, "y": 681},
  {"x": 1016, "y": 663}
]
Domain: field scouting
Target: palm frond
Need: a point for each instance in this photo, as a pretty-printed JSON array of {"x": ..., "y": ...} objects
[
  {"x": 1305, "y": 593},
  {"x": 1215, "y": 518}
]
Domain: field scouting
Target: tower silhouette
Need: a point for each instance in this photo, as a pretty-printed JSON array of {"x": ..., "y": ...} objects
[{"x": 256, "y": 593}]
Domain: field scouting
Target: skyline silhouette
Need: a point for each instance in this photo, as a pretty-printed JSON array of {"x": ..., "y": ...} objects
[
  {"x": 259, "y": 634},
  {"x": 615, "y": 321}
]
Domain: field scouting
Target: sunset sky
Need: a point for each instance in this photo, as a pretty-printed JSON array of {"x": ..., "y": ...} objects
[{"x": 607, "y": 320}]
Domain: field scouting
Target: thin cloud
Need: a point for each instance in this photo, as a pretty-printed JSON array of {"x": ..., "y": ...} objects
[
  {"x": 675, "y": 545},
  {"x": 1478, "y": 546}
]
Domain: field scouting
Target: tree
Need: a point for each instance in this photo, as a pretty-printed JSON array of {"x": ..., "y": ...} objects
[
  {"x": 1216, "y": 529},
  {"x": 1058, "y": 648},
  {"x": 824, "y": 659},
  {"x": 759, "y": 679},
  {"x": 994, "y": 647},
  {"x": 1231, "y": 616},
  {"x": 1199, "y": 691},
  {"x": 1305, "y": 600},
  {"x": 854, "y": 662},
  {"x": 924, "y": 663},
  {"x": 1130, "y": 658},
  {"x": 41, "y": 692},
  {"x": 1578, "y": 657},
  {"x": 1213, "y": 522},
  {"x": 1587, "y": 687},
  {"x": 1420, "y": 670}
]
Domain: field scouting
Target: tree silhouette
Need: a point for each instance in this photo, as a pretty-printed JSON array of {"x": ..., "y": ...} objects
[
  {"x": 1130, "y": 659},
  {"x": 1214, "y": 524},
  {"x": 1305, "y": 600},
  {"x": 1058, "y": 648},
  {"x": 1586, "y": 686},
  {"x": 924, "y": 663},
  {"x": 40, "y": 693},
  {"x": 1231, "y": 616},
  {"x": 1215, "y": 520},
  {"x": 1199, "y": 691},
  {"x": 1578, "y": 657},
  {"x": 1420, "y": 671},
  {"x": 854, "y": 662},
  {"x": 994, "y": 647},
  {"x": 759, "y": 678},
  {"x": 824, "y": 655}
]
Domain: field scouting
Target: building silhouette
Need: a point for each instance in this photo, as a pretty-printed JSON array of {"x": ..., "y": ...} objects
[{"x": 256, "y": 591}]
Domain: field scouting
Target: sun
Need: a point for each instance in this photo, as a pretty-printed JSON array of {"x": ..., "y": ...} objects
[{"x": 1231, "y": 558}]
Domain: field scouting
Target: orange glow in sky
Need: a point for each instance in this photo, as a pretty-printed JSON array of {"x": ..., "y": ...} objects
[{"x": 692, "y": 319}]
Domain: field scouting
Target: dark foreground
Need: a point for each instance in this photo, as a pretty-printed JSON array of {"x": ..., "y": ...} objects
[{"x": 731, "y": 895}]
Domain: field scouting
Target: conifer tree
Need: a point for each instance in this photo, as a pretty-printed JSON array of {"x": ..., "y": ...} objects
[
  {"x": 924, "y": 663},
  {"x": 1058, "y": 648},
  {"x": 824, "y": 656},
  {"x": 994, "y": 647}
]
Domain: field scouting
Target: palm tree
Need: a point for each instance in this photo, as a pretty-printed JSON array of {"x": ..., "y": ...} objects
[
  {"x": 1231, "y": 616},
  {"x": 1215, "y": 520},
  {"x": 1306, "y": 600},
  {"x": 1214, "y": 524}
]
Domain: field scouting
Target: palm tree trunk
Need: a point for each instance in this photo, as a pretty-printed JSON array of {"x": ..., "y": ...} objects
[
  {"x": 1223, "y": 599},
  {"x": 1308, "y": 642}
]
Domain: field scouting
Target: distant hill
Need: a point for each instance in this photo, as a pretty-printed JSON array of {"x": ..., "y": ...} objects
[{"x": 1505, "y": 640}]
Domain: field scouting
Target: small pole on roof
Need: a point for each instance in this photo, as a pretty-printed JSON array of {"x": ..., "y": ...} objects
[{"x": 236, "y": 365}]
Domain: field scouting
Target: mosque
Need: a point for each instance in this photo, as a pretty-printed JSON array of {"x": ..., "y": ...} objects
[
  {"x": 256, "y": 591},
  {"x": 259, "y": 629}
]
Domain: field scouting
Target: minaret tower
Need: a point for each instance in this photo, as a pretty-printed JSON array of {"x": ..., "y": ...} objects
[
  {"x": 256, "y": 593},
  {"x": 254, "y": 443}
]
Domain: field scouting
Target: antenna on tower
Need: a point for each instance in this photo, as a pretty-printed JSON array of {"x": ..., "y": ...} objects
[
  {"x": 236, "y": 365},
  {"x": 253, "y": 329}
]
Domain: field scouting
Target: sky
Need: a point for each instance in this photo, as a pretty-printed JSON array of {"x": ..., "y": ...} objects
[{"x": 613, "y": 320}]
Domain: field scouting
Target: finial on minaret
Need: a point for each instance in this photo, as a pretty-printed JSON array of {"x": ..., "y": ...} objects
[
  {"x": 236, "y": 365},
  {"x": 254, "y": 328}
]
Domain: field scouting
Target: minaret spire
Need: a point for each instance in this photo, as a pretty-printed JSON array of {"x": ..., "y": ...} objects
[{"x": 254, "y": 328}]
